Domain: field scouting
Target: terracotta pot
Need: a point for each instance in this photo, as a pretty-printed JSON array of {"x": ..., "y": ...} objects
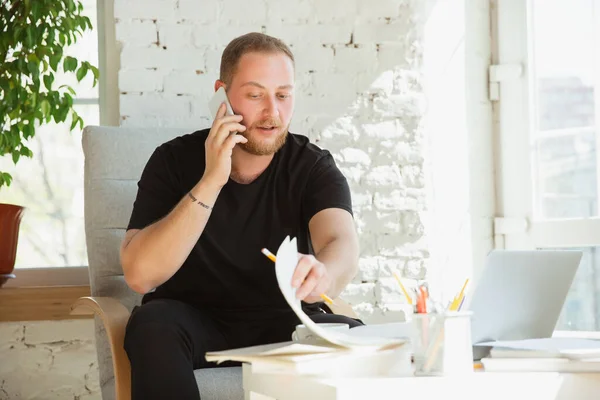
[{"x": 10, "y": 220}]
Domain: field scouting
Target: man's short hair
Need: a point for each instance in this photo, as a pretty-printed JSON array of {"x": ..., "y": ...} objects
[{"x": 249, "y": 43}]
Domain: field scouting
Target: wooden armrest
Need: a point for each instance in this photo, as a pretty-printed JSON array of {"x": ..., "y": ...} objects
[
  {"x": 114, "y": 316},
  {"x": 340, "y": 307}
]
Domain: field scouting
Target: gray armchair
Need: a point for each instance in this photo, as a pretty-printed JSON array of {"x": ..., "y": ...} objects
[{"x": 114, "y": 160}]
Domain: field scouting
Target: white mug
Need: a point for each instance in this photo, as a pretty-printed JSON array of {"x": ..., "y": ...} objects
[{"x": 303, "y": 335}]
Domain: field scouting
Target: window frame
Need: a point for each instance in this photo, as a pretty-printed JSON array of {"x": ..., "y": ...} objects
[
  {"x": 108, "y": 102},
  {"x": 517, "y": 226}
]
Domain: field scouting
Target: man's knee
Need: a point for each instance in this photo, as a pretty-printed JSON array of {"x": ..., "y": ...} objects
[
  {"x": 336, "y": 318},
  {"x": 151, "y": 323},
  {"x": 350, "y": 321}
]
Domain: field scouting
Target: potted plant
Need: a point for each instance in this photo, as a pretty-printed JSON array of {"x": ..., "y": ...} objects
[
  {"x": 10, "y": 218},
  {"x": 32, "y": 43}
]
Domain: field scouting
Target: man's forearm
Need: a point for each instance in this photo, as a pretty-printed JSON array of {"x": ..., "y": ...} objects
[
  {"x": 156, "y": 252},
  {"x": 341, "y": 260}
]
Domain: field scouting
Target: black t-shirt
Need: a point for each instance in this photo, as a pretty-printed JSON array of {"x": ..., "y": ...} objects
[{"x": 226, "y": 269}]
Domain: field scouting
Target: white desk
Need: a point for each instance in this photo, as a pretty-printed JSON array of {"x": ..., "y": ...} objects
[{"x": 477, "y": 386}]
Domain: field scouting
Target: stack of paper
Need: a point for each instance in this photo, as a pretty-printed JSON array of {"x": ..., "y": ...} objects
[
  {"x": 328, "y": 361},
  {"x": 547, "y": 354},
  {"x": 573, "y": 348},
  {"x": 366, "y": 353},
  {"x": 540, "y": 365}
]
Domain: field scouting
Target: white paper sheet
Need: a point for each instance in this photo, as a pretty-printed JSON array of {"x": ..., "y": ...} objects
[
  {"x": 546, "y": 344},
  {"x": 287, "y": 258},
  {"x": 392, "y": 330},
  {"x": 548, "y": 347},
  {"x": 273, "y": 349}
]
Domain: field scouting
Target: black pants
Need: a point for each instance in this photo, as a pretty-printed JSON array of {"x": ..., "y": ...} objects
[{"x": 166, "y": 340}]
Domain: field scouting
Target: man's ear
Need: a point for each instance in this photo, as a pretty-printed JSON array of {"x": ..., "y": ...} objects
[{"x": 220, "y": 83}]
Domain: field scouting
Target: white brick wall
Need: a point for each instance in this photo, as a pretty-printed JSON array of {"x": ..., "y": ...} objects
[{"x": 359, "y": 95}]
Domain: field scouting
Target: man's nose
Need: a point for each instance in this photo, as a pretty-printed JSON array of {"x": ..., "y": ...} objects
[{"x": 271, "y": 110}]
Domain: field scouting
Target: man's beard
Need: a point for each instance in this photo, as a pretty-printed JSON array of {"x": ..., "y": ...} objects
[{"x": 258, "y": 147}]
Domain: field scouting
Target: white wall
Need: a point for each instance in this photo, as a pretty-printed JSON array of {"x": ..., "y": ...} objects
[
  {"x": 360, "y": 95},
  {"x": 460, "y": 156}
]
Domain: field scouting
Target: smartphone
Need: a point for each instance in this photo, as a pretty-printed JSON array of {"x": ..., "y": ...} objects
[{"x": 215, "y": 102}]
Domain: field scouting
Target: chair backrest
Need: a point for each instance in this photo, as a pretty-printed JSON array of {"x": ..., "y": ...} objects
[{"x": 114, "y": 160}]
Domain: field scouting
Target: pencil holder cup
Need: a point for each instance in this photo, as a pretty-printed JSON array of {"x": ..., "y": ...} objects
[{"x": 441, "y": 343}]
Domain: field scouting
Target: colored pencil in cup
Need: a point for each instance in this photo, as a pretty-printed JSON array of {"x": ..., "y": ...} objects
[
  {"x": 408, "y": 298},
  {"x": 456, "y": 303},
  {"x": 454, "y": 306}
]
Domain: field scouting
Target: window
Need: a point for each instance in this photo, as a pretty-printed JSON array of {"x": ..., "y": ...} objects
[
  {"x": 581, "y": 310},
  {"x": 50, "y": 185},
  {"x": 548, "y": 129},
  {"x": 564, "y": 131}
]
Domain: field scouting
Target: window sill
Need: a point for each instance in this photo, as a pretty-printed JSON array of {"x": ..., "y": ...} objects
[
  {"x": 51, "y": 276},
  {"x": 40, "y": 303}
]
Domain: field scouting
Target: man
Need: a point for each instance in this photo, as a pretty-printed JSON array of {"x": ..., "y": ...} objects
[{"x": 207, "y": 203}]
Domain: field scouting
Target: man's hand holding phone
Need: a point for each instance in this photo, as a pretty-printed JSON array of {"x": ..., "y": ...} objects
[{"x": 219, "y": 146}]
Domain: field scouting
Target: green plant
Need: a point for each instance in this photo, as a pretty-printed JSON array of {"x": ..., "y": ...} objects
[{"x": 33, "y": 36}]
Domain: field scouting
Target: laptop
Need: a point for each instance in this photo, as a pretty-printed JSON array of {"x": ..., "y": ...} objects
[{"x": 520, "y": 295}]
